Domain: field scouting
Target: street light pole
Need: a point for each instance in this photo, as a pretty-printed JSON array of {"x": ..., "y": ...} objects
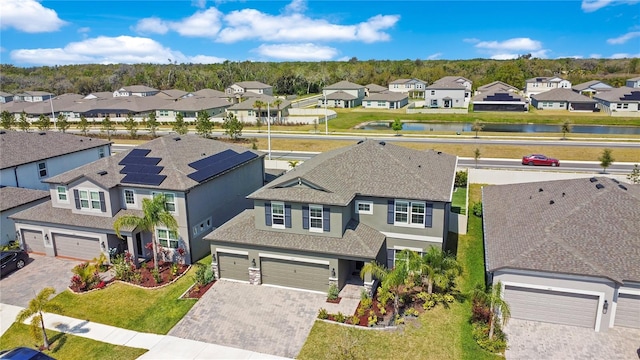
[
  {"x": 326, "y": 123},
  {"x": 269, "y": 129}
]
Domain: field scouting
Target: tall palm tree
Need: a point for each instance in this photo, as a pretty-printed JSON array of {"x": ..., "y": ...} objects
[
  {"x": 435, "y": 267},
  {"x": 155, "y": 213},
  {"x": 259, "y": 104},
  {"x": 36, "y": 306},
  {"x": 277, "y": 102},
  {"x": 392, "y": 279},
  {"x": 498, "y": 307}
]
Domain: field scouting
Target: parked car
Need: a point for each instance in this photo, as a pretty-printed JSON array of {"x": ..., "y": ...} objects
[
  {"x": 24, "y": 353},
  {"x": 11, "y": 260},
  {"x": 539, "y": 159}
]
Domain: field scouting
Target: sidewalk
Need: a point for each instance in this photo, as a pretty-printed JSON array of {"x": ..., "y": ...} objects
[{"x": 159, "y": 346}]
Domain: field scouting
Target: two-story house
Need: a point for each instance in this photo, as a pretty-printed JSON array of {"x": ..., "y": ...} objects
[
  {"x": 240, "y": 88},
  {"x": 539, "y": 85},
  {"x": 343, "y": 94},
  {"x": 448, "y": 92},
  {"x": 322, "y": 221},
  {"x": 633, "y": 82},
  {"x": 135, "y": 90},
  {"x": 592, "y": 87},
  {"x": 412, "y": 87},
  {"x": 33, "y": 96},
  {"x": 204, "y": 182}
]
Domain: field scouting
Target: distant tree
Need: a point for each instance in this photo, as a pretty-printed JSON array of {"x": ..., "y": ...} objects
[
  {"x": 477, "y": 126},
  {"x": 34, "y": 311},
  {"x": 606, "y": 159},
  {"x": 232, "y": 126},
  {"x": 108, "y": 127},
  {"x": 23, "y": 123},
  {"x": 152, "y": 123},
  {"x": 277, "y": 103},
  {"x": 43, "y": 123},
  {"x": 83, "y": 125},
  {"x": 204, "y": 126},
  {"x": 397, "y": 126},
  {"x": 259, "y": 104},
  {"x": 634, "y": 176},
  {"x": 566, "y": 128},
  {"x": 179, "y": 126},
  {"x": 7, "y": 119},
  {"x": 131, "y": 125},
  {"x": 476, "y": 156},
  {"x": 62, "y": 123}
]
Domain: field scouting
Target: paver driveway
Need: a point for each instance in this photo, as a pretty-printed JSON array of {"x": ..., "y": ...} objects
[
  {"x": 41, "y": 271},
  {"x": 537, "y": 340},
  {"x": 258, "y": 318}
]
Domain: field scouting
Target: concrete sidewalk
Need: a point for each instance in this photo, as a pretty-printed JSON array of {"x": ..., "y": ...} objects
[{"x": 159, "y": 346}]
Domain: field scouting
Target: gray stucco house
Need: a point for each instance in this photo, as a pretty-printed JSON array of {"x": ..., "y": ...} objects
[
  {"x": 448, "y": 92},
  {"x": 320, "y": 222},
  {"x": 13, "y": 200},
  {"x": 566, "y": 251},
  {"x": 343, "y": 94},
  {"x": 563, "y": 99},
  {"x": 205, "y": 183}
]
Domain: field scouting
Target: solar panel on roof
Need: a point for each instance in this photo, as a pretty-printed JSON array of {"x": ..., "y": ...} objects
[
  {"x": 202, "y": 163},
  {"x": 144, "y": 169},
  {"x": 144, "y": 179},
  {"x": 139, "y": 160},
  {"x": 221, "y": 166},
  {"x": 635, "y": 95},
  {"x": 139, "y": 152}
]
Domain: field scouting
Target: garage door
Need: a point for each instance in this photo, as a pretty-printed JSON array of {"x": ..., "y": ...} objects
[
  {"x": 295, "y": 274},
  {"x": 33, "y": 241},
  {"x": 77, "y": 247},
  {"x": 552, "y": 306},
  {"x": 628, "y": 311},
  {"x": 233, "y": 266}
]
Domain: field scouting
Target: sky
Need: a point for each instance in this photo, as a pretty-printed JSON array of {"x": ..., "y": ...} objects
[{"x": 63, "y": 32}]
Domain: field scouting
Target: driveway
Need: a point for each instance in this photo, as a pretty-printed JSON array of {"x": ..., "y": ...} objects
[
  {"x": 19, "y": 287},
  {"x": 259, "y": 318},
  {"x": 537, "y": 340}
]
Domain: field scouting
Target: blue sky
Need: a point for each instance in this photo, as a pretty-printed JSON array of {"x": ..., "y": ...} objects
[{"x": 34, "y": 33}]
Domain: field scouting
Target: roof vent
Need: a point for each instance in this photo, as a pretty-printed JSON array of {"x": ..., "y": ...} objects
[
  {"x": 2, "y": 132},
  {"x": 563, "y": 194},
  {"x": 599, "y": 186},
  {"x": 42, "y": 133},
  {"x": 177, "y": 138},
  {"x": 540, "y": 190},
  {"x": 622, "y": 187},
  {"x": 383, "y": 143},
  {"x": 615, "y": 181},
  {"x": 593, "y": 179},
  {"x": 530, "y": 197},
  {"x": 102, "y": 172},
  {"x": 551, "y": 202},
  {"x": 360, "y": 142},
  {"x": 439, "y": 152}
]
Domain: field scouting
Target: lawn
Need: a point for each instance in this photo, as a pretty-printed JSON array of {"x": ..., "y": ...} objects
[
  {"x": 66, "y": 346},
  {"x": 437, "y": 334},
  {"x": 130, "y": 307},
  {"x": 458, "y": 203}
]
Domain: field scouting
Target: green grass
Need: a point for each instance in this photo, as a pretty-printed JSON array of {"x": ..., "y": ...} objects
[
  {"x": 66, "y": 346},
  {"x": 458, "y": 203},
  {"x": 130, "y": 307},
  {"x": 437, "y": 334}
]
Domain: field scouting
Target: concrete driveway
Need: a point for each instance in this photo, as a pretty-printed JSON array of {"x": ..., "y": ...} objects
[
  {"x": 258, "y": 318},
  {"x": 19, "y": 287},
  {"x": 537, "y": 340}
]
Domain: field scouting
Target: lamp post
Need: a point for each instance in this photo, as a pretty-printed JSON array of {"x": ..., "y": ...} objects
[
  {"x": 326, "y": 123},
  {"x": 268, "y": 130}
]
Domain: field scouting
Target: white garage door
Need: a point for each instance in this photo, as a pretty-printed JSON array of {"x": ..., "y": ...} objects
[
  {"x": 552, "y": 306},
  {"x": 233, "y": 266},
  {"x": 295, "y": 274},
  {"x": 76, "y": 247},
  {"x": 628, "y": 311},
  {"x": 33, "y": 241}
]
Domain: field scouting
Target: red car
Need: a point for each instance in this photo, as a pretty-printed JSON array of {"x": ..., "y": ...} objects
[{"x": 539, "y": 159}]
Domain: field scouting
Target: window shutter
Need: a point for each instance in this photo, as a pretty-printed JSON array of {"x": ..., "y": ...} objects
[
  {"x": 390, "y": 211},
  {"x": 391, "y": 256},
  {"x": 103, "y": 204},
  {"x": 326, "y": 219},
  {"x": 267, "y": 213},
  {"x": 428, "y": 216},
  {"x": 76, "y": 196},
  {"x": 305, "y": 217},
  {"x": 287, "y": 216}
]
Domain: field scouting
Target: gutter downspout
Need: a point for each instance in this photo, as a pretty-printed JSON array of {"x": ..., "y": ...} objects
[{"x": 15, "y": 174}]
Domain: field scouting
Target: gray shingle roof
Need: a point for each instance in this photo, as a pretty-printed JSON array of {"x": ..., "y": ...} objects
[
  {"x": 561, "y": 94},
  {"x": 483, "y": 96},
  {"x": 175, "y": 155},
  {"x": 19, "y": 147},
  {"x": 199, "y": 103},
  {"x": 586, "y": 231},
  {"x": 358, "y": 240},
  {"x": 138, "y": 88},
  {"x": 250, "y": 100},
  {"x": 11, "y": 197},
  {"x": 448, "y": 82},
  {"x": 210, "y": 93},
  {"x": 634, "y": 79},
  {"x": 614, "y": 95},
  {"x": 343, "y": 85},
  {"x": 340, "y": 95},
  {"x": 368, "y": 169},
  {"x": 374, "y": 88},
  {"x": 252, "y": 85},
  {"x": 386, "y": 96},
  {"x": 587, "y": 85},
  {"x": 497, "y": 86}
]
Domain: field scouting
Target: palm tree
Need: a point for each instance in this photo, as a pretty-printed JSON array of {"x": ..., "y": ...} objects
[
  {"x": 36, "y": 306},
  {"x": 155, "y": 213},
  {"x": 277, "y": 102},
  {"x": 259, "y": 104},
  {"x": 391, "y": 279},
  {"x": 498, "y": 307},
  {"x": 435, "y": 267},
  {"x": 566, "y": 128}
]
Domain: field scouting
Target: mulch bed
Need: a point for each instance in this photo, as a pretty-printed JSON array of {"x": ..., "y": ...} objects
[
  {"x": 197, "y": 292},
  {"x": 164, "y": 269},
  {"x": 334, "y": 301}
]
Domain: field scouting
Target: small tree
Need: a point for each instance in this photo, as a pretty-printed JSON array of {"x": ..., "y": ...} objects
[
  {"x": 293, "y": 163},
  {"x": 476, "y": 156},
  {"x": 277, "y": 103},
  {"x": 7, "y": 119},
  {"x": 179, "y": 126},
  {"x": 108, "y": 127},
  {"x": 43, "y": 123},
  {"x": 232, "y": 126},
  {"x": 62, "y": 123},
  {"x": 477, "y": 126},
  {"x": 566, "y": 128},
  {"x": 23, "y": 123},
  {"x": 498, "y": 308},
  {"x": 396, "y": 126},
  {"x": 36, "y": 306},
  {"x": 204, "y": 126},
  {"x": 435, "y": 268},
  {"x": 391, "y": 279},
  {"x": 83, "y": 125},
  {"x": 606, "y": 159},
  {"x": 152, "y": 123},
  {"x": 131, "y": 125},
  {"x": 634, "y": 176}
]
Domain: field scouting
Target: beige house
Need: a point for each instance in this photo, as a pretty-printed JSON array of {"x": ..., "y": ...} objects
[{"x": 539, "y": 85}]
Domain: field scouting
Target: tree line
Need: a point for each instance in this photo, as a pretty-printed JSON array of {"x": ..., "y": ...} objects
[{"x": 298, "y": 78}]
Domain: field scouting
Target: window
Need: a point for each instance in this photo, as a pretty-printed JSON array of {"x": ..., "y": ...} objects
[
  {"x": 169, "y": 201},
  {"x": 62, "y": 194},
  {"x": 382, "y": 103},
  {"x": 625, "y": 106},
  {"x": 163, "y": 112},
  {"x": 168, "y": 239},
  {"x": 315, "y": 218},
  {"x": 42, "y": 169},
  {"x": 101, "y": 152},
  {"x": 364, "y": 207},
  {"x": 89, "y": 199},
  {"x": 433, "y": 92},
  {"x": 129, "y": 197},
  {"x": 409, "y": 213},
  {"x": 277, "y": 214},
  {"x": 618, "y": 106}
]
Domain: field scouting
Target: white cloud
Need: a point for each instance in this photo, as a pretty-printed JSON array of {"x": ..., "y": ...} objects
[
  {"x": 204, "y": 23},
  {"x": 296, "y": 6},
  {"x": 570, "y": 57},
  {"x": 471, "y": 40},
  {"x": 199, "y": 3},
  {"x": 434, "y": 56},
  {"x": 29, "y": 16},
  {"x": 624, "y": 38},
  {"x": 84, "y": 30},
  {"x": 595, "y": 56},
  {"x": 504, "y": 56},
  {"x": 594, "y": 5},
  {"x": 297, "y": 52},
  {"x": 152, "y": 25},
  {"x": 524, "y": 44},
  {"x": 107, "y": 50},
  {"x": 624, "y": 56}
]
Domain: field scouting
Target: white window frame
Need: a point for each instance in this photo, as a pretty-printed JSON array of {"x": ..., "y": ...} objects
[
  {"x": 409, "y": 213},
  {"x": 362, "y": 202},
  {"x": 173, "y": 195},
  {"x": 41, "y": 169},
  {"x": 89, "y": 200},
  {"x": 65, "y": 193},
  {"x": 311, "y": 218},
  {"x": 278, "y": 216},
  {"x": 100, "y": 152},
  {"x": 134, "y": 204},
  {"x": 168, "y": 238}
]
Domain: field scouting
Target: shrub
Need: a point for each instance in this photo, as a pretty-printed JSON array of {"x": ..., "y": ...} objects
[
  {"x": 373, "y": 319},
  {"x": 124, "y": 268},
  {"x": 382, "y": 309},
  {"x": 323, "y": 314},
  {"x": 174, "y": 269},
  {"x": 480, "y": 312},
  {"x": 85, "y": 276},
  {"x": 384, "y": 296},
  {"x": 340, "y": 317},
  {"x": 204, "y": 274},
  {"x": 477, "y": 209},
  {"x": 461, "y": 178},
  {"x": 355, "y": 320},
  {"x": 364, "y": 294},
  {"x": 481, "y": 334},
  {"x": 398, "y": 320},
  {"x": 366, "y": 303},
  {"x": 411, "y": 312},
  {"x": 156, "y": 276},
  {"x": 333, "y": 292}
]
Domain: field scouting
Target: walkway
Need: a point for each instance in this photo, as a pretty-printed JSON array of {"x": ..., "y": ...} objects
[{"x": 159, "y": 346}]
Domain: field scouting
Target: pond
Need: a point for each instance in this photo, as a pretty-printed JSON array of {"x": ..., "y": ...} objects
[{"x": 510, "y": 128}]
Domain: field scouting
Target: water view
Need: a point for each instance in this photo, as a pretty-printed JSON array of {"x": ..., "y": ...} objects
[{"x": 511, "y": 128}]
